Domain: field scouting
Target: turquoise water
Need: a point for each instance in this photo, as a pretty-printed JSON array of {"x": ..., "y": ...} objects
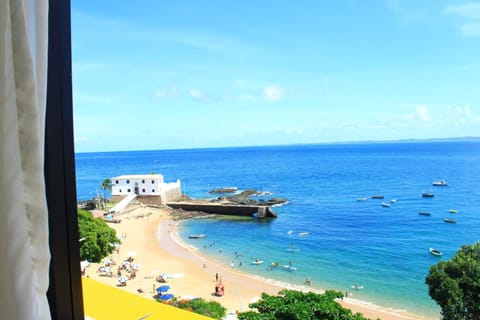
[{"x": 349, "y": 242}]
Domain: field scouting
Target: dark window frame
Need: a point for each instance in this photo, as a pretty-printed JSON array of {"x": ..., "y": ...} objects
[{"x": 65, "y": 288}]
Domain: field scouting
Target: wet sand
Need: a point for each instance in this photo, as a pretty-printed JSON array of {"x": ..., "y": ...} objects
[{"x": 151, "y": 235}]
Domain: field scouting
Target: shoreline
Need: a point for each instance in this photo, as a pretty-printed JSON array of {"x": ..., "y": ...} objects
[
  {"x": 152, "y": 233},
  {"x": 368, "y": 309}
]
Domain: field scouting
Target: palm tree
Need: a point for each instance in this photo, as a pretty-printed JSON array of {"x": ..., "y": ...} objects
[{"x": 106, "y": 186}]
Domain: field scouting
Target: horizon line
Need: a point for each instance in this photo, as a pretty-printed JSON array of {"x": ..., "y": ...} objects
[{"x": 465, "y": 138}]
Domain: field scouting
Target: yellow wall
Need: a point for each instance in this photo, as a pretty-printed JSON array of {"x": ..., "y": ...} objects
[{"x": 106, "y": 302}]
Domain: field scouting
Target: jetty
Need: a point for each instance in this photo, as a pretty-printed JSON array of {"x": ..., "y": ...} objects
[{"x": 255, "y": 211}]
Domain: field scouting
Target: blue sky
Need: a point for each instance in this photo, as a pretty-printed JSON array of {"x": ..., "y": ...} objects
[{"x": 188, "y": 74}]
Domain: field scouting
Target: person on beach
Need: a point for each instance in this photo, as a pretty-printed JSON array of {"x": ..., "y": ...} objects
[{"x": 216, "y": 277}]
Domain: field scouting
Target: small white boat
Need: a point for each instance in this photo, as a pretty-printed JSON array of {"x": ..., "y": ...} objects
[
  {"x": 289, "y": 232},
  {"x": 435, "y": 252},
  {"x": 303, "y": 234},
  {"x": 289, "y": 268},
  {"x": 357, "y": 287},
  {"x": 362, "y": 199},
  {"x": 453, "y": 211},
  {"x": 440, "y": 183},
  {"x": 393, "y": 200},
  {"x": 386, "y": 205},
  {"x": 197, "y": 236}
]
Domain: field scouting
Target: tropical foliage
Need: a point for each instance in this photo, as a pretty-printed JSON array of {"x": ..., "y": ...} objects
[
  {"x": 210, "y": 309},
  {"x": 455, "y": 284},
  {"x": 292, "y": 305},
  {"x": 107, "y": 185},
  {"x": 97, "y": 239}
]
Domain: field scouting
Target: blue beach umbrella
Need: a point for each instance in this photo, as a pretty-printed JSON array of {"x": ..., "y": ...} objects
[
  {"x": 167, "y": 296},
  {"x": 163, "y": 289}
]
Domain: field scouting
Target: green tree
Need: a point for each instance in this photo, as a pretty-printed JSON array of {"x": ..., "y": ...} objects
[
  {"x": 97, "y": 238},
  {"x": 211, "y": 309},
  {"x": 293, "y": 305},
  {"x": 455, "y": 284},
  {"x": 106, "y": 186}
]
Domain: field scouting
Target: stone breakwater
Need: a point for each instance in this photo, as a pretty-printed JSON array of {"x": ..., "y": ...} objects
[
  {"x": 239, "y": 205},
  {"x": 225, "y": 209}
]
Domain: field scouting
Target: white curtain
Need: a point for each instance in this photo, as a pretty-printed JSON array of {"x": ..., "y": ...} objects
[{"x": 24, "y": 252}]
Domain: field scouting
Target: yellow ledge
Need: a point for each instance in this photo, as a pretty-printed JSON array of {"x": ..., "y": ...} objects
[{"x": 106, "y": 302}]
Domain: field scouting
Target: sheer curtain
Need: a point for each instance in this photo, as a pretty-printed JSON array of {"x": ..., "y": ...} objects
[{"x": 24, "y": 252}]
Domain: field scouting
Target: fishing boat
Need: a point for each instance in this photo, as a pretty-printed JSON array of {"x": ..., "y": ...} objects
[
  {"x": 362, "y": 199},
  {"x": 427, "y": 195},
  {"x": 435, "y": 252},
  {"x": 303, "y": 234},
  {"x": 449, "y": 220},
  {"x": 424, "y": 213},
  {"x": 197, "y": 236},
  {"x": 386, "y": 205},
  {"x": 377, "y": 197},
  {"x": 440, "y": 183},
  {"x": 453, "y": 211}
]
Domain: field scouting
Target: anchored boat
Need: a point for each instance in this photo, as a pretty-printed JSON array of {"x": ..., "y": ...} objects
[
  {"x": 197, "y": 236},
  {"x": 441, "y": 183},
  {"x": 435, "y": 252}
]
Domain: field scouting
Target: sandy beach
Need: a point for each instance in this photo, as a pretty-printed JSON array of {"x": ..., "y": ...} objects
[{"x": 149, "y": 235}]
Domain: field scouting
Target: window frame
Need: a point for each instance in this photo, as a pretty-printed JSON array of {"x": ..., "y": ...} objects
[{"x": 65, "y": 288}]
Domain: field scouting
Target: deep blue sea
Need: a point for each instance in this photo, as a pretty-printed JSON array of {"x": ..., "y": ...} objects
[{"x": 385, "y": 250}]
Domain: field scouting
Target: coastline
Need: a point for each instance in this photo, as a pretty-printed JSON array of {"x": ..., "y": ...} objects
[{"x": 152, "y": 234}]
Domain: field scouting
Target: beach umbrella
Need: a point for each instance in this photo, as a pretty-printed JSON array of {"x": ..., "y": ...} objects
[
  {"x": 167, "y": 296},
  {"x": 163, "y": 289},
  {"x": 122, "y": 279}
]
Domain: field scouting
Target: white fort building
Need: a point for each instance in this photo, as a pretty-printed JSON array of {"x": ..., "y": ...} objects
[{"x": 148, "y": 188}]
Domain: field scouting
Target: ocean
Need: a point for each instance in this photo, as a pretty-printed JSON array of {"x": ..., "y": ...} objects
[{"x": 383, "y": 249}]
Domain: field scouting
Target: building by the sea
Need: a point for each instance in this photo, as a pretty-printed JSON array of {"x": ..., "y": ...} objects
[{"x": 148, "y": 188}]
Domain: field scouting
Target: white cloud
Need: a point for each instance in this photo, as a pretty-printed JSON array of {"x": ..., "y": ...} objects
[
  {"x": 461, "y": 116},
  {"x": 272, "y": 93},
  {"x": 469, "y": 10},
  {"x": 198, "y": 94},
  {"x": 471, "y": 29},
  {"x": 421, "y": 113}
]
